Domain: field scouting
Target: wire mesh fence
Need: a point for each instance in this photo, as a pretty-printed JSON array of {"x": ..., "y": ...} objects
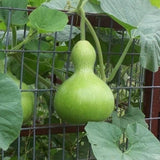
[{"x": 45, "y": 136}]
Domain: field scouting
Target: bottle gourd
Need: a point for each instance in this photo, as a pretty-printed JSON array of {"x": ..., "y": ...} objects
[
  {"x": 27, "y": 99},
  {"x": 84, "y": 96}
]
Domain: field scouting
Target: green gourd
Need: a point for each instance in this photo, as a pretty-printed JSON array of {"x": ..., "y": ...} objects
[
  {"x": 27, "y": 99},
  {"x": 84, "y": 96},
  {"x": 27, "y": 102}
]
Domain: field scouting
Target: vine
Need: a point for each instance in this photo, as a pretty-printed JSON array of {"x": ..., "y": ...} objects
[{"x": 80, "y": 11}]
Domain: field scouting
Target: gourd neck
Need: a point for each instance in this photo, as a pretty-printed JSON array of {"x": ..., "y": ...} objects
[
  {"x": 83, "y": 56},
  {"x": 84, "y": 70}
]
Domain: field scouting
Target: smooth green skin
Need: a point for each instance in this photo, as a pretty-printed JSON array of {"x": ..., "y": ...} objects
[
  {"x": 84, "y": 96},
  {"x": 27, "y": 100}
]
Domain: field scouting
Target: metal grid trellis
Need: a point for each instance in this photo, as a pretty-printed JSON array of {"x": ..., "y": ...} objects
[{"x": 135, "y": 83}]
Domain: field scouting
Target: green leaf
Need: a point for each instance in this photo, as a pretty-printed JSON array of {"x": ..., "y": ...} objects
[
  {"x": 36, "y": 3},
  {"x": 2, "y": 25},
  {"x": 64, "y": 35},
  {"x": 141, "y": 22},
  {"x": 17, "y": 17},
  {"x": 10, "y": 111},
  {"x": 60, "y": 58},
  {"x": 141, "y": 140},
  {"x": 105, "y": 139},
  {"x": 31, "y": 61},
  {"x": 47, "y": 20},
  {"x": 34, "y": 43},
  {"x": 132, "y": 115},
  {"x": 130, "y": 15},
  {"x": 89, "y": 7}
]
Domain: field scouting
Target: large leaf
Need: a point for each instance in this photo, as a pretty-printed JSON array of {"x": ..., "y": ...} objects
[
  {"x": 18, "y": 17},
  {"x": 10, "y": 111},
  {"x": 105, "y": 138},
  {"x": 90, "y": 7},
  {"x": 132, "y": 115},
  {"x": 142, "y": 20},
  {"x": 47, "y": 20}
]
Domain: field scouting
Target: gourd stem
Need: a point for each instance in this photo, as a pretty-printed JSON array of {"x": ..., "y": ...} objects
[
  {"x": 82, "y": 25},
  {"x": 99, "y": 50},
  {"x": 81, "y": 12},
  {"x": 114, "y": 71}
]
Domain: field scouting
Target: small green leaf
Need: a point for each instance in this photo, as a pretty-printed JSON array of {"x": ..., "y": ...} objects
[
  {"x": 132, "y": 115},
  {"x": 105, "y": 141},
  {"x": 2, "y": 25},
  {"x": 10, "y": 111},
  {"x": 46, "y": 20}
]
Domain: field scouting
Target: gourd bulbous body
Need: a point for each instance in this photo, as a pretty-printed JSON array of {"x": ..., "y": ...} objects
[
  {"x": 27, "y": 99},
  {"x": 27, "y": 102},
  {"x": 84, "y": 96}
]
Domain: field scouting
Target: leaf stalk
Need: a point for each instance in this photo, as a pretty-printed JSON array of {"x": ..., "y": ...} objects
[{"x": 114, "y": 71}]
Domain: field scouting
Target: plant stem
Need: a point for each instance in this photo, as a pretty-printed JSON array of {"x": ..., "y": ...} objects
[
  {"x": 1, "y": 66},
  {"x": 80, "y": 11},
  {"x": 79, "y": 4},
  {"x": 114, "y": 71},
  {"x": 29, "y": 37},
  {"x": 82, "y": 25},
  {"x": 14, "y": 36},
  {"x": 82, "y": 14},
  {"x": 33, "y": 73},
  {"x": 99, "y": 50}
]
